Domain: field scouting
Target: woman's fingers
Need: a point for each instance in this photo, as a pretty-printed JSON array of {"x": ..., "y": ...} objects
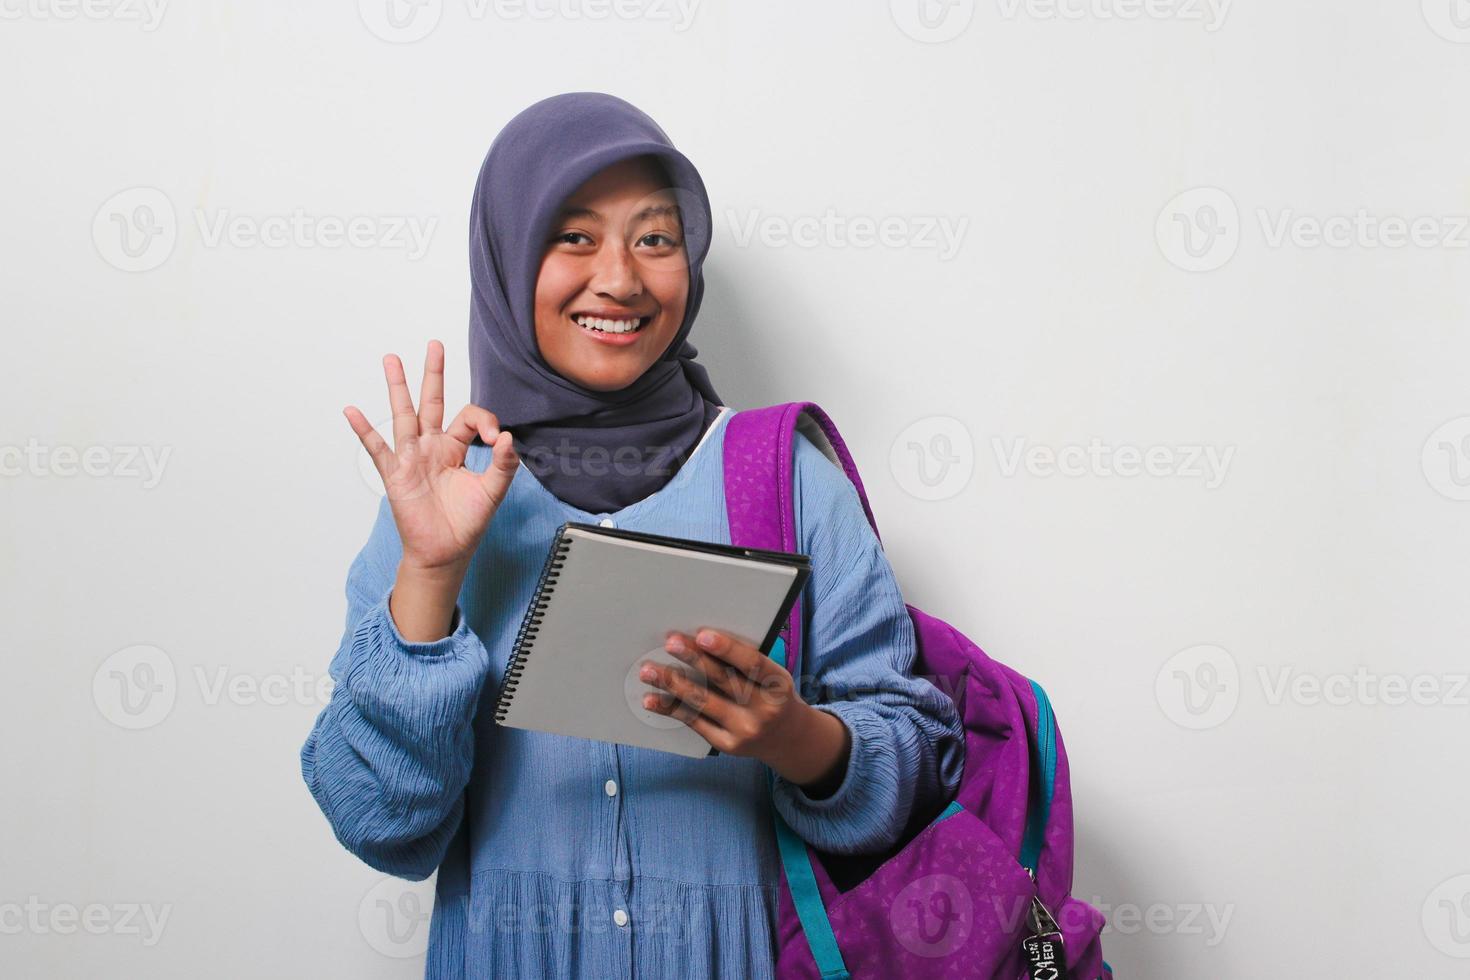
[
  {"x": 410, "y": 426},
  {"x": 700, "y": 698},
  {"x": 405, "y": 420},
  {"x": 667, "y": 704},
  {"x": 471, "y": 421},
  {"x": 502, "y": 469},
  {"x": 431, "y": 392},
  {"x": 731, "y": 682},
  {"x": 382, "y": 456},
  {"x": 746, "y": 659}
]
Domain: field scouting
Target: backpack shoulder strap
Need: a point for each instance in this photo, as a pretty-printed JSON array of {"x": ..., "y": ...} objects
[
  {"x": 759, "y": 461},
  {"x": 759, "y": 456}
]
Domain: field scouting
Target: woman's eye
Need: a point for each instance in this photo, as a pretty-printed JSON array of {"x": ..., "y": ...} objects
[
  {"x": 658, "y": 239},
  {"x": 567, "y": 237}
]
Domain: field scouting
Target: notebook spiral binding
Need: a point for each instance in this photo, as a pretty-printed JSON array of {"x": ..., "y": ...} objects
[{"x": 555, "y": 558}]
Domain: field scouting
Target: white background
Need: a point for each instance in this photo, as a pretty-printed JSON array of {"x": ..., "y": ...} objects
[{"x": 1231, "y": 828}]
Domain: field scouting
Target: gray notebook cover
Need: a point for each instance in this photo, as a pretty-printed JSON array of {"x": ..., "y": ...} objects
[{"x": 605, "y": 602}]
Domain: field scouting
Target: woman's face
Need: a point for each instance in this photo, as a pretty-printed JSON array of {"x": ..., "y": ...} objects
[{"x": 615, "y": 255}]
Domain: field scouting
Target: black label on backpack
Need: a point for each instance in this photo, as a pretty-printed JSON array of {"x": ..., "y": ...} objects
[{"x": 1044, "y": 958}]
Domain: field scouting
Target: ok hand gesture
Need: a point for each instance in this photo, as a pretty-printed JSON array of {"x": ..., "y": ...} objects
[{"x": 441, "y": 508}]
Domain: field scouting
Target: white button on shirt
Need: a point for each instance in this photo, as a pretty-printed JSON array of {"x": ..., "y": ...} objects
[
  {"x": 607, "y": 522},
  {"x": 620, "y": 917},
  {"x": 610, "y": 787}
]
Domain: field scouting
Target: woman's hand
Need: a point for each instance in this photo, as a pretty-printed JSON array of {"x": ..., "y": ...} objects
[
  {"x": 748, "y": 705},
  {"x": 441, "y": 508}
]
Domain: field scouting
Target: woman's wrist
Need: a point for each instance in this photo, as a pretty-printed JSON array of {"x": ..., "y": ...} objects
[
  {"x": 423, "y": 599},
  {"x": 814, "y": 756}
]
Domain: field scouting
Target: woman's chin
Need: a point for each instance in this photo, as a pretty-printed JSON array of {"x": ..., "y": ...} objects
[{"x": 606, "y": 377}]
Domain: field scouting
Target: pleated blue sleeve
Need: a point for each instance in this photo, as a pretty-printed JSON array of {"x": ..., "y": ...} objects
[
  {"x": 389, "y": 757},
  {"x": 907, "y": 745}
]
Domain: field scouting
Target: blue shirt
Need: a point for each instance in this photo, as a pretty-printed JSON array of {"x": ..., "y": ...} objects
[{"x": 568, "y": 857}]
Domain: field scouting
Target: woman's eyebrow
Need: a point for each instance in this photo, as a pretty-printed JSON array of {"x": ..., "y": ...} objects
[
  {"x": 652, "y": 211},
  {"x": 657, "y": 210}
]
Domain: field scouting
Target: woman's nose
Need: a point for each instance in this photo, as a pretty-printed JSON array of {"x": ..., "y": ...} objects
[{"x": 615, "y": 273}]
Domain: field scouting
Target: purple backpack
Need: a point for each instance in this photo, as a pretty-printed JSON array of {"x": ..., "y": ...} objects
[{"x": 984, "y": 888}]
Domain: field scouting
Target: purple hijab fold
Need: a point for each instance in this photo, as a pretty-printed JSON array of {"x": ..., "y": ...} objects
[{"x": 596, "y": 450}]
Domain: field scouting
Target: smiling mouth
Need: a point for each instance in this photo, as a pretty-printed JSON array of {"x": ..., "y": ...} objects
[{"x": 601, "y": 325}]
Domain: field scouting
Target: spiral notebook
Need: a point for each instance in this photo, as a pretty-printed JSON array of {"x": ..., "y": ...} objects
[{"x": 605, "y": 600}]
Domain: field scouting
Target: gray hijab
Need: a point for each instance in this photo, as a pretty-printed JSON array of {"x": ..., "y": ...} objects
[{"x": 596, "y": 450}]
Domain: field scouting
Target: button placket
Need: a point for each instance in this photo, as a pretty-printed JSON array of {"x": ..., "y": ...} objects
[{"x": 617, "y": 799}]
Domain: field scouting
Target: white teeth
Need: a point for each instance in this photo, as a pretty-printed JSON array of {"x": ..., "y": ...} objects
[{"x": 609, "y": 326}]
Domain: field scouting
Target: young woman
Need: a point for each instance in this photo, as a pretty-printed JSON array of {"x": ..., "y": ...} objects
[{"x": 566, "y": 857}]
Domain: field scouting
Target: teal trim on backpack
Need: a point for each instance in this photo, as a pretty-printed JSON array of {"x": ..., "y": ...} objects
[
  {"x": 778, "y": 652},
  {"x": 808, "y": 900},
  {"x": 1044, "y": 764},
  {"x": 801, "y": 878},
  {"x": 949, "y": 811},
  {"x": 802, "y": 881}
]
